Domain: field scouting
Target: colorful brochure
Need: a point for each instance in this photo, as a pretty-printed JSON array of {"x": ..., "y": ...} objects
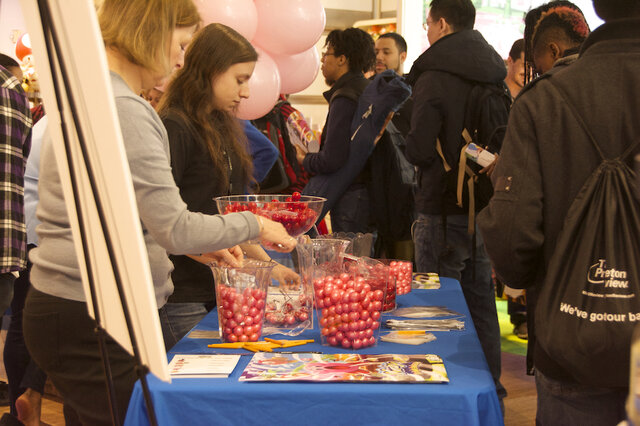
[{"x": 308, "y": 367}]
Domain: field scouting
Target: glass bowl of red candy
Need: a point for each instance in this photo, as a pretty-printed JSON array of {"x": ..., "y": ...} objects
[{"x": 296, "y": 212}]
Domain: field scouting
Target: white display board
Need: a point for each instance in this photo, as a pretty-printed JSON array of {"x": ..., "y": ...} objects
[{"x": 82, "y": 52}]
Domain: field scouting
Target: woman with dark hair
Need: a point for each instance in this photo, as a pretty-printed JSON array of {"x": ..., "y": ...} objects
[{"x": 209, "y": 157}]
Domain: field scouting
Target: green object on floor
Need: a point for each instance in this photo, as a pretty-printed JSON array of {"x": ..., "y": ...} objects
[{"x": 508, "y": 341}]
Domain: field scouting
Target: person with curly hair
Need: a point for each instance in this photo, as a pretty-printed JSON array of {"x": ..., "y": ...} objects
[{"x": 349, "y": 54}]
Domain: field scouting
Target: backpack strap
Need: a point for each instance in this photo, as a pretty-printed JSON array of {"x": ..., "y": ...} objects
[
  {"x": 462, "y": 165},
  {"x": 578, "y": 117},
  {"x": 348, "y": 92},
  {"x": 446, "y": 165},
  {"x": 463, "y": 169}
]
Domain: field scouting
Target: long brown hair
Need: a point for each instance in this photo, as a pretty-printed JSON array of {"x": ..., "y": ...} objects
[{"x": 212, "y": 51}]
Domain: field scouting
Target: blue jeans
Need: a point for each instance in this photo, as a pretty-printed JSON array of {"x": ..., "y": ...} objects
[
  {"x": 562, "y": 403},
  {"x": 177, "y": 319},
  {"x": 453, "y": 258}
]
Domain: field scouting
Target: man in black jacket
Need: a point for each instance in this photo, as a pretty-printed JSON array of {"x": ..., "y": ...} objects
[
  {"x": 545, "y": 160},
  {"x": 442, "y": 77},
  {"x": 349, "y": 53}
]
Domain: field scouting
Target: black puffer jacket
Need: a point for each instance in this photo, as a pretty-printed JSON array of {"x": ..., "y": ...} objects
[{"x": 442, "y": 78}]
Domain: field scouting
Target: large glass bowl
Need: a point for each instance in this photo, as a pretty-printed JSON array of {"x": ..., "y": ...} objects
[{"x": 296, "y": 216}]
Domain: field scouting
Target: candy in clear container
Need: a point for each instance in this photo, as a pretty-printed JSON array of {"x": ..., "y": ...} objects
[
  {"x": 402, "y": 270},
  {"x": 349, "y": 304},
  {"x": 241, "y": 294}
]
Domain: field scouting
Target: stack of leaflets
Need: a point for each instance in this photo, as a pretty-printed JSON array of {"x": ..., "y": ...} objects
[
  {"x": 425, "y": 324},
  {"x": 408, "y": 337},
  {"x": 198, "y": 366}
]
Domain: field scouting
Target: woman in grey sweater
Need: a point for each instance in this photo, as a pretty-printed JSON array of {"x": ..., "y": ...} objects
[{"x": 144, "y": 40}]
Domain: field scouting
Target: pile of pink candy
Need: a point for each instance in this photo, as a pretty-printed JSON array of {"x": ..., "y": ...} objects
[
  {"x": 403, "y": 273},
  {"x": 241, "y": 313},
  {"x": 349, "y": 307}
]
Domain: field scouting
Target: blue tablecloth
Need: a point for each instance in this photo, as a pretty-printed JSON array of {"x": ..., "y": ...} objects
[{"x": 468, "y": 399}]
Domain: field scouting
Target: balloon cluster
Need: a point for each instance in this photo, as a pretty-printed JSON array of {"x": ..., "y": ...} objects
[{"x": 284, "y": 32}]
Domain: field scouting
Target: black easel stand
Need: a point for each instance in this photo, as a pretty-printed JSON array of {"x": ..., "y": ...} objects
[{"x": 53, "y": 43}]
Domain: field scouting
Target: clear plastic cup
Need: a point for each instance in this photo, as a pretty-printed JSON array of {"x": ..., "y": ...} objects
[
  {"x": 241, "y": 294},
  {"x": 349, "y": 304}
]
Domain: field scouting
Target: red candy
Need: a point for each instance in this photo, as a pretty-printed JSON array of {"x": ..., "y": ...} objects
[
  {"x": 349, "y": 315},
  {"x": 403, "y": 272},
  {"x": 295, "y": 215},
  {"x": 289, "y": 314},
  {"x": 240, "y": 314}
]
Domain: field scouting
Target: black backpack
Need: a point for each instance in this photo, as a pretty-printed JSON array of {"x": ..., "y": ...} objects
[
  {"x": 485, "y": 124},
  {"x": 590, "y": 299}
]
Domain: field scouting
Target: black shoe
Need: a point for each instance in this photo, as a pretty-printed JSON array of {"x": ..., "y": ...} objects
[
  {"x": 4, "y": 394},
  {"x": 521, "y": 331},
  {"x": 8, "y": 419}
]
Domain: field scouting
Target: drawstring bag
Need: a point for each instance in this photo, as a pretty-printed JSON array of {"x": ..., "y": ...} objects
[{"x": 590, "y": 302}]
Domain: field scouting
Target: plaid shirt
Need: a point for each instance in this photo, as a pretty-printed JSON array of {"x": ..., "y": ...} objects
[{"x": 15, "y": 143}]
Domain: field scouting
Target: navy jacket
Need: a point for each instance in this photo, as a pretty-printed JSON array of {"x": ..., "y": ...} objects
[{"x": 334, "y": 142}]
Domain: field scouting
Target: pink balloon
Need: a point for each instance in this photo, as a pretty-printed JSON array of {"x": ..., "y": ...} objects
[
  {"x": 241, "y": 15},
  {"x": 289, "y": 26},
  {"x": 298, "y": 71},
  {"x": 264, "y": 89}
]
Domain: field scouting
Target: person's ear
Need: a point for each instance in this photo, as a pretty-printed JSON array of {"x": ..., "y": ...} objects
[
  {"x": 342, "y": 60},
  {"x": 556, "y": 52},
  {"x": 445, "y": 28},
  {"x": 403, "y": 57}
]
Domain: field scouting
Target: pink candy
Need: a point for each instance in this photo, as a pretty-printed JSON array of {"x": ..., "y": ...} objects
[
  {"x": 403, "y": 273},
  {"x": 241, "y": 313},
  {"x": 350, "y": 314}
]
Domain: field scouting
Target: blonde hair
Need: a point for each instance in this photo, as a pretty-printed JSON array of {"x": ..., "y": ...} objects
[{"x": 141, "y": 30}]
